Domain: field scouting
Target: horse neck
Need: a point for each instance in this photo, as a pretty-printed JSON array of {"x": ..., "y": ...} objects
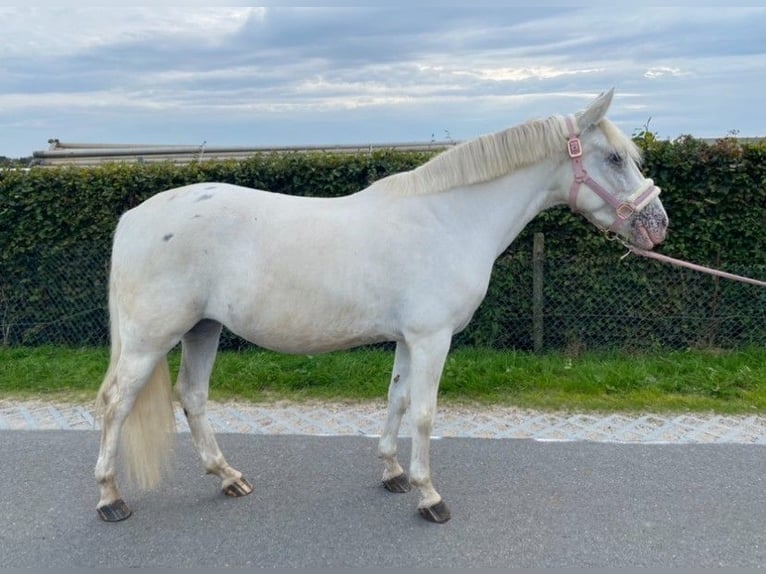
[{"x": 500, "y": 209}]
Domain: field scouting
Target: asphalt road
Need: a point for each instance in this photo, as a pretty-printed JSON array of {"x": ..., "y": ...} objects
[{"x": 515, "y": 503}]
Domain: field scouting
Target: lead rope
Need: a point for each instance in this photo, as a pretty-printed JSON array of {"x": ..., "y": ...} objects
[{"x": 681, "y": 263}]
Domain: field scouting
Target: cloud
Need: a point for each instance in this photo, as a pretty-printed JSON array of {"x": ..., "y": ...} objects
[
  {"x": 65, "y": 30},
  {"x": 347, "y": 75},
  {"x": 660, "y": 71}
]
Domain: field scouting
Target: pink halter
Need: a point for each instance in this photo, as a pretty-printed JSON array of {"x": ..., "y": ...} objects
[{"x": 637, "y": 200}]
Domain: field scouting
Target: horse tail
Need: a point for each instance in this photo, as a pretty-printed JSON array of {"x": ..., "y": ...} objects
[{"x": 148, "y": 431}]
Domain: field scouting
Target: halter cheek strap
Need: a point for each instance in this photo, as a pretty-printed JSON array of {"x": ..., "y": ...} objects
[{"x": 637, "y": 200}]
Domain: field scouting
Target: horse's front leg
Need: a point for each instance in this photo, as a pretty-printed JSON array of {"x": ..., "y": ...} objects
[
  {"x": 199, "y": 347},
  {"x": 426, "y": 365},
  {"x": 394, "y": 477}
]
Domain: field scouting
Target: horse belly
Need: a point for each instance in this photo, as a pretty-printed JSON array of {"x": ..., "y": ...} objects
[
  {"x": 294, "y": 325},
  {"x": 298, "y": 301}
]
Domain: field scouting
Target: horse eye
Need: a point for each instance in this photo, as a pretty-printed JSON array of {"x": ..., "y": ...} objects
[{"x": 615, "y": 159}]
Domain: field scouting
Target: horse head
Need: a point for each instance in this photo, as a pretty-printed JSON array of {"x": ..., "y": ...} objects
[{"x": 601, "y": 178}]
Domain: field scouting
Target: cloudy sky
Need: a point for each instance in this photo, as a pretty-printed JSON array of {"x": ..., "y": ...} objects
[{"x": 294, "y": 76}]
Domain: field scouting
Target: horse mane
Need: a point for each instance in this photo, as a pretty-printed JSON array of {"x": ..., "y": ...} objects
[{"x": 494, "y": 155}]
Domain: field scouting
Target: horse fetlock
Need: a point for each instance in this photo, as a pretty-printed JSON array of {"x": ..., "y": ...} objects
[
  {"x": 107, "y": 485},
  {"x": 428, "y": 494},
  {"x": 392, "y": 469},
  {"x": 219, "y": 467},
  {"x": 387, "y": 449}
]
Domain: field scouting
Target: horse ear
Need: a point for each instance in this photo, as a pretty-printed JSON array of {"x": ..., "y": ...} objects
[{"x": 595, "y": 112}]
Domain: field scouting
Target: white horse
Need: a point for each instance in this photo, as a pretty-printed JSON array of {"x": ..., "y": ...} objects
[{"x": 407, "y": 259}]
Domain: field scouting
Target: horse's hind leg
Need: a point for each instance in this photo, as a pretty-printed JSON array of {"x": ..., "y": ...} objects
[
  {"x": 199, "y": 347},
  {"x": 394, "y": 477},
  {"x": 118, "y": 396}
]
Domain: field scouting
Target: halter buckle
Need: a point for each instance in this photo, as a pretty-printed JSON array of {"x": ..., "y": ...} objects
[
  {"x": 625, "y": 210},
  {"x": 574, "y": 147}
]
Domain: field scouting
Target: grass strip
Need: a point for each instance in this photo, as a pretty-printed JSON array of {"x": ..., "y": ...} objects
[{"x": 726, "y": 382}]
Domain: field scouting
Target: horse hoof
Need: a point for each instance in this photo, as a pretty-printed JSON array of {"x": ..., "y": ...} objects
[
  {"x": 438, "y": 513},
  {"x": 114, "y": 512},
  {"x": 239, "y": 487},
  {"x": 399, "y": 483}
]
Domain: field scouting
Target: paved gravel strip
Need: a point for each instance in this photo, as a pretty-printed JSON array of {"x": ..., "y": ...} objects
[{"x": 334, "y": 419}]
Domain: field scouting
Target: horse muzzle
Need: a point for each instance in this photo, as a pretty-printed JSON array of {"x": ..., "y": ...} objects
[{"x": 649, "y": 227}]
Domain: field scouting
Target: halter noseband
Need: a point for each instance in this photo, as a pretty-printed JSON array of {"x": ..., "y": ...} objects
[{"x": 637, "y": 200}]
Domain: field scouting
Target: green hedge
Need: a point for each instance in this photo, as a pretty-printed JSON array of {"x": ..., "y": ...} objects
[{"x": 715, "y": 196}]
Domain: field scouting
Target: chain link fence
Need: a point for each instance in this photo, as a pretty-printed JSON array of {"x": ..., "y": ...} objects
[
  {"x": 630, "y": 304},
  {"x": 59, "y": 297}
]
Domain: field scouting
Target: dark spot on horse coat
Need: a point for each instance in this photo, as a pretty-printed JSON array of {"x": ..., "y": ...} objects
[
  {"x": 167, "y": 237},
  {"x": 205, "y": 196}
]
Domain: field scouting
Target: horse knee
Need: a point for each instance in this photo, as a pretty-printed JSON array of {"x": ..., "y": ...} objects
[
  {"x": 423, "y": 420},
  {"x": 402, "y": 403}
]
